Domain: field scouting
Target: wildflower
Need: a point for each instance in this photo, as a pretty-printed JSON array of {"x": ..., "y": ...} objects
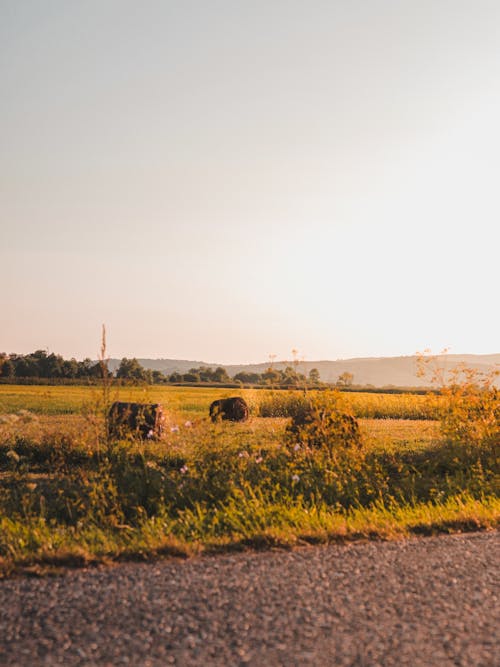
[
  {"x": 184, "y": 469},
  {"x": 188, "y": 424},
  {"x": 259, "y": 459},
  {"x": 26, "y": 416},
  {"x": 174, "y": 429},
  {"x": 243, "y": 454},
  {"x": 150, "y": 434},
  {"x": 296, "y": 447},
  {"x": 295, "y": 478},
  {"x": 10, "y": 419}
]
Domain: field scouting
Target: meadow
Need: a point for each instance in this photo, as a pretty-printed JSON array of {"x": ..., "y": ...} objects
[
  {"x": 70, "y": 496},
  {"x": 189, "y": 401}
]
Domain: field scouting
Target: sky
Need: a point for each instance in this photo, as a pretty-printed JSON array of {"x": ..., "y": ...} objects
[{"x": 228, "y": 180}]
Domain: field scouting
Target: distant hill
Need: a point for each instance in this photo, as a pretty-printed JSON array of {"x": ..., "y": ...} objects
[{"x": 377, "y": 371}]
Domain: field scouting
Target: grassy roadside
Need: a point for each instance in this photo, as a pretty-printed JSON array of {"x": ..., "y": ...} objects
[
  {"x": 69, "y": 497},
  {"x": 65, "y": 506},
  {"x": 37, "y": 547}
]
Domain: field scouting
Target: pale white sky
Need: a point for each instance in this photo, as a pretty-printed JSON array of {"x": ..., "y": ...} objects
[{"x": 225, "y": 180}]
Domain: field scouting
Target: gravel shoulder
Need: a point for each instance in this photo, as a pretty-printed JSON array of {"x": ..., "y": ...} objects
[{"x": 422, "y": 602}]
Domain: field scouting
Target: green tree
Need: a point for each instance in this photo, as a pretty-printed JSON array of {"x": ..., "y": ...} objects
[
  {"x": 158, "y": 377},
  {"x": 131, "y": 369},
  {"x": 205, "y": 373},
  {"x": 84, "y": 368},
  {"x": 248, "y": 378},
  {"x": 25, "y": 366},
  {"x": 191, "y": 377},
  {"x": 271, "y": 376},
  {"x": 7, "y": 368},
  {"x": 345, "y": 379},
  {"x": 70, "y": 368},
  {"x": 314, "y": 376},
  {"x": 52, "y": 366},
  {"x": 220, "y": 375}
]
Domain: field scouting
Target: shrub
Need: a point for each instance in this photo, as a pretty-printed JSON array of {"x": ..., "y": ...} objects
[
  {"x": 325, "y": 420},
  {"x": 470, "y": 414},
  {"x": 469, "y": 405}
]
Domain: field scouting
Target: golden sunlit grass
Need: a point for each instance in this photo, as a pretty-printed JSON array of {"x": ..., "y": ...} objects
[
  {"x": 36, "y": 546},
  {"x": 377, "y": 432},
  {"x": 193, "y": 401},
  {"x": 70, "y": 497},
  {"x": 74, "y": 399}
]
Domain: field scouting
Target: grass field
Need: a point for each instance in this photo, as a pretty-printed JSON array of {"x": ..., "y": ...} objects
[
  {"x": 70, "y": 496},
  {"x": 193, "y": 401}
]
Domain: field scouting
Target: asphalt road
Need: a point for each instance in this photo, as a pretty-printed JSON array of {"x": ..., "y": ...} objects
[{"x": 429, "y": 601}]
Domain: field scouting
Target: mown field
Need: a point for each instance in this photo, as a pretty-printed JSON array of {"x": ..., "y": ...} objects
[
  {"x": 69, "y": 495},
  {"x": 189, "y": 401}
]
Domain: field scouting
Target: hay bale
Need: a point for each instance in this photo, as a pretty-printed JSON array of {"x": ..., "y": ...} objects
[
  {"x": 143, "y": 420},
  {"x": 233, "y": 409}
]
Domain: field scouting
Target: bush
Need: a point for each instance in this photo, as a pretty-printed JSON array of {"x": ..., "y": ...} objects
[
  {"x": 469, "y": 403},
  {"x": 325, "y": 420},
  {"x": 470, "y": 415}
]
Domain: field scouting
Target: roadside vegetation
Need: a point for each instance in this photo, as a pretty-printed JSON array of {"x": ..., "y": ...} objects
[{"x": 308, "y": 467}]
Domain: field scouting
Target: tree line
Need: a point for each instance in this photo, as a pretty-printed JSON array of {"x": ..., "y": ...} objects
[{"x": 42, "y": 365}]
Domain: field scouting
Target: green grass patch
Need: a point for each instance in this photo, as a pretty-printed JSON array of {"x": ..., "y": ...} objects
[
  {"x": 70, "y": 497},
  {"x": 35, "y": 546}
]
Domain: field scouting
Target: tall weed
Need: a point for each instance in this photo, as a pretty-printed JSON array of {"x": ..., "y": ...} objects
[{"x": 468, "y": 405}]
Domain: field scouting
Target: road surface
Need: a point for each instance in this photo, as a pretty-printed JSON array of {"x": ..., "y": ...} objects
[{"x": 421, "y": 602}]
